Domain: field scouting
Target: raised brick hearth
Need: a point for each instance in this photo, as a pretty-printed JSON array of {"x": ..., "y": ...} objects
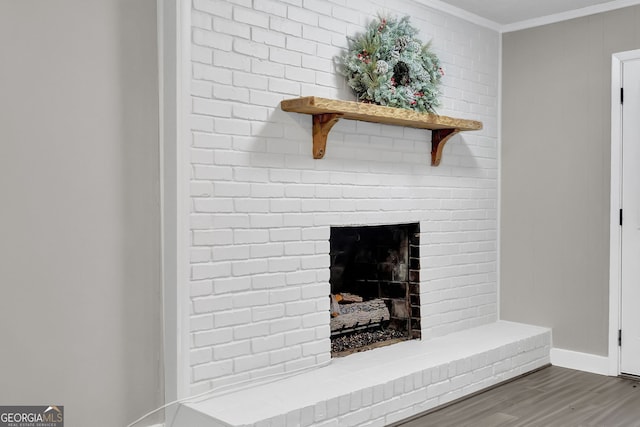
[{"x": 381, "y": 386}]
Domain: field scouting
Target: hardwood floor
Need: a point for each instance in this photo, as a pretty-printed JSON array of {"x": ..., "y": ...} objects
[{"x": 551, "y": 397}]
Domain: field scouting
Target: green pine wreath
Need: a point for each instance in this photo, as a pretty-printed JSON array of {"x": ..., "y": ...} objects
[{"x": 388, "y": 65}]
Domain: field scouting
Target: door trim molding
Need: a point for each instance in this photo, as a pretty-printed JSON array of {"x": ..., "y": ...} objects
[{"x": 615, "y": 248}]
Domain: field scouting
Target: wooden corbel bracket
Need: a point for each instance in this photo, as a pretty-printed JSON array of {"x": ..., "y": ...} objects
[
  {"x": 439, "y": 138},
  {"x": 322, "y": 124}
]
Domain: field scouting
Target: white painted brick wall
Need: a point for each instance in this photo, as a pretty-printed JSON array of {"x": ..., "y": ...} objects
[{"x": 262, "y": 206}]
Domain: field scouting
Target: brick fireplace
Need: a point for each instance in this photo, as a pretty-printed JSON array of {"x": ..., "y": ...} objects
[{"x": 263, "y": 211}]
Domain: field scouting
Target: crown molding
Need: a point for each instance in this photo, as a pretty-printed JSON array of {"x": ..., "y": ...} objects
[
  {"x": 461, "y": 13},
  {"x": 565, "y": 16},
  {"x": 528, "y": 23}
]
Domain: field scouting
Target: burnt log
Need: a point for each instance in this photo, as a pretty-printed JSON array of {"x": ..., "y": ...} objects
[{"x": 360, "y": 314}]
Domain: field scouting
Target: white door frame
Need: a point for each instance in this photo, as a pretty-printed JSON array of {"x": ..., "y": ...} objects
[{"x": 615, "y": 242}]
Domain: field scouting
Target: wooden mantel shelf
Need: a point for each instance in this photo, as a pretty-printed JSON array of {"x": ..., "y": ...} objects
[{"x": 327, "y": 112}]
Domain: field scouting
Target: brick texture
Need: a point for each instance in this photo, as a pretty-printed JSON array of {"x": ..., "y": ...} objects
[{"x": 262, "y": 206}]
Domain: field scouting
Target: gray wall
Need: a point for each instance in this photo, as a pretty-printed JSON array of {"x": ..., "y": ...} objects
[
  {"x": 79, "y": 208},
  {"x": 556, "y": 175}
]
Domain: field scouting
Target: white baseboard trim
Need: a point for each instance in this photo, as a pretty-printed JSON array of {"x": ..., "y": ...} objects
[{"x": 580, "y": 361}]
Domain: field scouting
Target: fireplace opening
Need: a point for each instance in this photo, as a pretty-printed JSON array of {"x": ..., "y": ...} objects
[{"x": 375, "y": 286}]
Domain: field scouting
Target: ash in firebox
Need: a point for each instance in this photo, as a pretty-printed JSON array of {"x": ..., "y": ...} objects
[{"x": 362, "y": 339}]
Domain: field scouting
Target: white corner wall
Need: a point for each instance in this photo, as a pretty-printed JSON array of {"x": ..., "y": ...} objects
[
  {"x": 262, "y": 206},
  {"x": 80, "y": 313}
]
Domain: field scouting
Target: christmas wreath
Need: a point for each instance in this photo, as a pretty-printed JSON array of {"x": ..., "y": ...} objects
[{"x": 388, "y": 65}]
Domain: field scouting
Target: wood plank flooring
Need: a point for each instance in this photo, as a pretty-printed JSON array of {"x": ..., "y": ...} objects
[{"x": 551, "y": 397}]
